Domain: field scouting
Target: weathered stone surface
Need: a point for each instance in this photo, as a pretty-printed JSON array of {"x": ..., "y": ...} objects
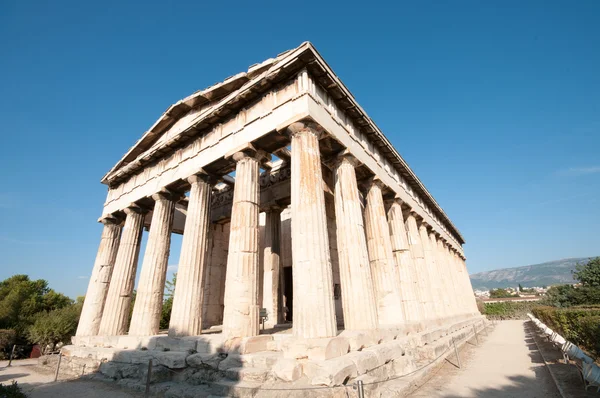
[
  {"x": 287, "y": 369},
  {"x": 232, "y": 361},
  {"x": 389, "y": 303},
  {"x": 322, "y": 349},
  {"x": 118, "y": 300},
  {"x": 314, "y": 314},
  {"x": 186, "y": 315},
  {"x": 360, "y": 339},
  {"x": 240, "y": 317},
  {"x": 358, "y": 293},
  {"x": 173, "y": 360},
  {"x": 333, "y": 372},
  {"x": 387, "y": 351},
  {"x": 247, "y": 374},
  {"x": 364, "y": 360},
  {"x": 149, "y": 298},
  {"x": 95, "y": 298},
  {"x": 205, "y": 360}
]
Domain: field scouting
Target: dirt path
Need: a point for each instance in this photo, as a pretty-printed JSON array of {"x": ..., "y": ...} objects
[
  {"x": 38, "y": 384},
  {"x": 507, "y": 364}
]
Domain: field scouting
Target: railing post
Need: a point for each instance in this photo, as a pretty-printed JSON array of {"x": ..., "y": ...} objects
[
  {"x": 361, "y": 389},
  {"x": 476, "y": 336},
  {"x": 12, "y": 353},
  {"x": 147, "y": 394},
  {"x": 58, "y": 365},
  {"x": 456, "y": 353}
]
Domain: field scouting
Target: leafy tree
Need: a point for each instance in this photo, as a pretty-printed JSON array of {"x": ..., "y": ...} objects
[
  {"x": 21, "y": 299},
  {"x": 500, "y": 293},
  {"x": 588, "y": 274},
  {"x": 569, "y": 295},
  {"x": 52, "y": 327}
]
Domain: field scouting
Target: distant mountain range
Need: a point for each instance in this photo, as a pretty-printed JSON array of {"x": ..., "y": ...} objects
[{"x": 544, "y": 274}]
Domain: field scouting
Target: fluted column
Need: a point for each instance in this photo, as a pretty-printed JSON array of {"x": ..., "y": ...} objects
[
  {"x": 95, "y": 297},
  {"x": 313, "y": 306},
  {"x": 424, "y": 292},
  {"x": 404, "y": 261},
  {"x": 118, "y": 300},
  {"x": 358, "y": 292},
  {"x": 430, "y": 266},
  {"x": 241, "y": 314},
  {"x": 271, "y": 293},
  {"x": 440, "y": 277},
  {"x": 472, "y": 304},
  {"x": 186, "y": 315},
  {"x": 389, "y": 304},
  {"x": 461, "y": 282},
  {"x": 149, "y": 298},
  {"x": 448, "y": 277}
]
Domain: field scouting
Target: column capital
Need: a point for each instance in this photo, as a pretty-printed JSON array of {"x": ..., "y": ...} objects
[
  {"x": 247, "y": 151},
  {"x": 109, "y": 219},
  {"x": 202, "y": 176},
  {"x": 165, "y": 194},
  {"x": 305, "y": 126},
  {"x": 134, "y": 208},
  {"x": 374, "y": 181}
]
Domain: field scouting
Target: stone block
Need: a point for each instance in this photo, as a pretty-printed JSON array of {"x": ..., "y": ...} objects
[
  {"x": 255, "y": 344},
  {"x": 333, "y": 372},
  {"x": 387, "y": 351},
  {"x": 287, "y": 369},
  {"x": 359, "y": 340},
  {"x": 327, "y": 348},
  {"x": 166, "y": 343},
  {"x": 364, "y": 360},
  {"x": 232, "y": 361},
  {"x": 247, "y": 374},
  {"x": 203, "y": 360},
  {"x": 132, "y": 342},
  {"x": 264, "y": 359},
  {"x": 172, "y": 360}
]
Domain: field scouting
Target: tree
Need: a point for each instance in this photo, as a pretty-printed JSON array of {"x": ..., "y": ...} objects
[
  {"x": 56, "y": 326},
  {"x": 588, "y": 274},
  {"x": 21, "y": 299},
  {"x": 500, "y": 293}
]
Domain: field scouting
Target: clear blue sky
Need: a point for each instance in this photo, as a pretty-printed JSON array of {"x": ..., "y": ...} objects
[{"x": 495, "y": 105}]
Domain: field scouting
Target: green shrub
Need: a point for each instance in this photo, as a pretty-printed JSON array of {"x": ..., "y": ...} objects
[
  {"x": 7, "y": 339},
  {"x": 580, "y": 325},
  {"x": 12, "y": 391},
  {"x": 50, "y": 328},
  {"x": 509, "y": 309}
]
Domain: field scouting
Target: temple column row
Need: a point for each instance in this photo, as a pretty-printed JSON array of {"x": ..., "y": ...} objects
[{"x": 392, "y": 268}]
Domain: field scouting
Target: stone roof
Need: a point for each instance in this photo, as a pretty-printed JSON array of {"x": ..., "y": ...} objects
[{"x": 192, "y": 115}]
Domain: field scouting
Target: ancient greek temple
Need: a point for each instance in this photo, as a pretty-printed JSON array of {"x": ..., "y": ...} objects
[{"x": 295, "y": 210}]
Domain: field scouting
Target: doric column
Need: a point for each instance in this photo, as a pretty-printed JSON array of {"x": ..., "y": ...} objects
[
  {"x": 95, "y": 297},
  {"x": 472, "y": 304},
  {"x": 313, "y": 306},
  {"x": 439, "y": 277},
  {"x": 461, "y": 281},
  {"x": 118, "y": 301},
  {"x": 149, "y": 298},
  {"x": 271, "y": 293},
  {"x": 449, "y": 277},
  {"x": 241, "y": 314},
  {"x": 404, "y": 261},
  {"x": 186, "y": 315},
  {"x": 430, "y": 270},
  {"x": 381, "y": 258},
  {"x": 424, "y": 292},
  {"x": 358, "y": 292}
]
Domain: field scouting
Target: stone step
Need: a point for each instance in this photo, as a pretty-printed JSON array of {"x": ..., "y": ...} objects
[{"x": 247, "y": 374}]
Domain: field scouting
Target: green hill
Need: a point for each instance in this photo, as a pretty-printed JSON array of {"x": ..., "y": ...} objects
[{"x": 544, "y": 274}]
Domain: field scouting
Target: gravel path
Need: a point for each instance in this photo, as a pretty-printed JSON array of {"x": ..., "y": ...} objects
[{"x": 507, "y": 364}]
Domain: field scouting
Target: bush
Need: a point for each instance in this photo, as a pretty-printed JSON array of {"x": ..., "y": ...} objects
[
  {"x": 568, "y": 295},
  {"x": 509, "y": 309},
  {"x": 12, "y": 391},
  {"x": 7, "y": 339},
  {"x": 51, "y": 328},
  {"x": 580, "y": 325}
]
